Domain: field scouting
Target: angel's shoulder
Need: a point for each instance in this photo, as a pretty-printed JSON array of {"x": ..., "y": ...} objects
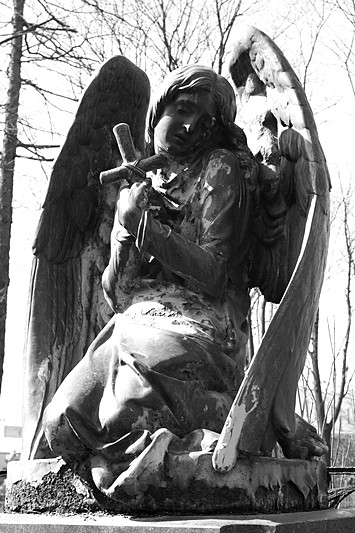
[
  {"x": 222, "y": 166},
  {"x": 222, "y": 156}
]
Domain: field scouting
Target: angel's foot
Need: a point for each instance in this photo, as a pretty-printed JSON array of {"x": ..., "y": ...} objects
[{"x": 305, "y": 443}]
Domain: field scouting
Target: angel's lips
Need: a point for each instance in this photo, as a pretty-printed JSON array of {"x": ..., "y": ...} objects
[{"x": 181, "y": 138}]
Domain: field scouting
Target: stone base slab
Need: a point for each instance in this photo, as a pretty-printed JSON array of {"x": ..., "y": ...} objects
[
  {"x": 256, "y": 485},
  {"x": 329, "y": 521}
]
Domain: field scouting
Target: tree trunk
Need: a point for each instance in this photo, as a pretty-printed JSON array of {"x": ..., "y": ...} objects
[
  {"x": 8, "y": 166},
  {"x": 327, "y": 436},
  {"x": 317, "y": 384}
]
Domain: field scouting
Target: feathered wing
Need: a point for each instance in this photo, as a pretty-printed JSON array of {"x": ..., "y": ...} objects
[
  {"x": 72, "y": 244},
  {"x": 291, "y": 228}
]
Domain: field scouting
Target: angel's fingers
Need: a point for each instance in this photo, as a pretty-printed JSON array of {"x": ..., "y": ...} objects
[
  {"x": 136, "y": 185},
  {"x": 139, "y": 194}
]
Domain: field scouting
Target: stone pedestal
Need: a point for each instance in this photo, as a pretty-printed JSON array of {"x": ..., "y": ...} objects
[
  {"x": 330, "y": 521},
  {"x": 190, "y": 487}
]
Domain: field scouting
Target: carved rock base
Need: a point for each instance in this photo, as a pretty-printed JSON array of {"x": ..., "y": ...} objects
[{"x": 191, "y": 486}]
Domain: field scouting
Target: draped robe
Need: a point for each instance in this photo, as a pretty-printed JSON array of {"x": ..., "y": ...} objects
[{"x": 169, "y": 363}]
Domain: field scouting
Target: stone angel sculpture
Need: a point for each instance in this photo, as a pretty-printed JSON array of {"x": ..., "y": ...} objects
[{"x": 159, "y": 366}]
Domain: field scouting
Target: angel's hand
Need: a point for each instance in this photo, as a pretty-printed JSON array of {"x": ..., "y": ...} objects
[{"x": 130, "y": 205}]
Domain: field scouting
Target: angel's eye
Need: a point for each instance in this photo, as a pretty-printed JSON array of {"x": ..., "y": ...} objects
[{"x": 181, "y": 110}]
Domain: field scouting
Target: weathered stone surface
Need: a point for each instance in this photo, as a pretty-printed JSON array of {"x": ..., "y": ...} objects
[
  {"x": 46, "y": 486},
  {"x": 190, "y": 486},
  {"x": 330, "y": 521}
]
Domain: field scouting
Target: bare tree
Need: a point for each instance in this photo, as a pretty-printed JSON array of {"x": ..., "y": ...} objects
[
  {"x": 226, "y": 13},
  {"x": 343, "y": 42},
  {"x": 328, "y": 397},
  {"x": 43, "y": 39},
  {"x": 161, "y": 35},
  {"x": 260, "y": 315},
  {"x": 8, "y": 165}
]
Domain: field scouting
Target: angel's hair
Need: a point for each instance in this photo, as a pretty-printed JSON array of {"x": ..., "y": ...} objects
[{"x": 193, "y": 78}]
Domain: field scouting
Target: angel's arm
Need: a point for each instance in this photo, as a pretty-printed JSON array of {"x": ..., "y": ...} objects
[{"x": 205, "y": 262}]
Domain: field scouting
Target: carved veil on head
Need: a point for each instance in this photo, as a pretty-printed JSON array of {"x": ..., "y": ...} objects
[{"x": 194, "y": 78}]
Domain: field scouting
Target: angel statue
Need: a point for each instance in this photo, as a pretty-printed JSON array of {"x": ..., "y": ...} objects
[{"x": 152, "y": 360}]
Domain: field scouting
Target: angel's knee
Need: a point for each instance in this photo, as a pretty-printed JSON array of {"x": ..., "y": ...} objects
[{"x": 59, "y": 432}]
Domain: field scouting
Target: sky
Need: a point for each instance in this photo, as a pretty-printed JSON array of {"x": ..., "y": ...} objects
[{"x": 337, "y": 140}]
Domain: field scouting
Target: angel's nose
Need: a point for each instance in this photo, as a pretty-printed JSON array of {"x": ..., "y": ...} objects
[{"x": 191, "y": 124}]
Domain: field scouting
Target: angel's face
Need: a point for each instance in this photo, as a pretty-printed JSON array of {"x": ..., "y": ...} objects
[{"x": 185, "y": 124}]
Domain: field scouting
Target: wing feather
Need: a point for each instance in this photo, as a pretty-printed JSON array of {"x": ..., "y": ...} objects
[
  {"x": 67, "y": 307},
  {"x": 290, "y": 155},
  {"x": 289, "y": 269},
  {"x": 90, "y": 148}
]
